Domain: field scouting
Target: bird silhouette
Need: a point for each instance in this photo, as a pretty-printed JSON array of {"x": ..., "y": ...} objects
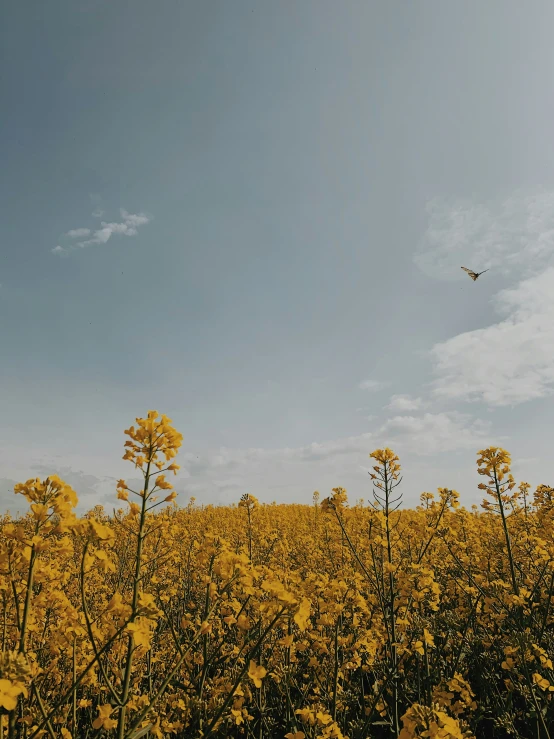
[{"x": 472, "y": 274}]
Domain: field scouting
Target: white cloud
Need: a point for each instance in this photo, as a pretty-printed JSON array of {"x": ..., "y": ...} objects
[
  {"x": 510, "y": 236},
  {"x": 127, "y": 227},
  {"x": 372, "y": 385},
  {"x": 235, "y": 458},
  {"x": 509, "y": 362},
  {"x": 336, "y": 447},
  {"x": 227, "y": 471},
  {"x": 232, "y": 469},
  {"x": 512, "y": 360},
  {"x": 404, "y": 403},
  {"x": 434, "y": 433},
  {"x": 444, "y": 431},
  {"x": 134, "y": 221},
  {"x": 78, "y": 233}
]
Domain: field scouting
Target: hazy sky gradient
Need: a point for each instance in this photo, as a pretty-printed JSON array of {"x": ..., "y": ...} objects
[{"x": 273, "y": 201}]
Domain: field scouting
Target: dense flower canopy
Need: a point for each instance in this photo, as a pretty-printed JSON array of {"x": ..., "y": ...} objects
[{"x": 297, "y": 621}]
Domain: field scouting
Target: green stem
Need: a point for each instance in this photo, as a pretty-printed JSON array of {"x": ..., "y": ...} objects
[{"x": 136, "y": 581}]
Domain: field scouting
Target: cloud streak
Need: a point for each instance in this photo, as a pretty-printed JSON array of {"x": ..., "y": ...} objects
[
  {"x": 373, "y": 385},
  {"x": 128, "y": 226},
  {"x": 227, "y": 471},
  {"x": 78, "y": 233}
]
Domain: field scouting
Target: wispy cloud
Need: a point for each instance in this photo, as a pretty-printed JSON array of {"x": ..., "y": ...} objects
[
  {"x": 435, "y": 433},
  {"x": 373, "y": 385},
  {"x": 404, "y": 403},
  {"x": 515, "y": 236},
  {"x": 78, "y": 233},
  {"x": 232, "y": 459},
  {"x": 227, "y": 470},
  {"x": 128, "y": 226}
]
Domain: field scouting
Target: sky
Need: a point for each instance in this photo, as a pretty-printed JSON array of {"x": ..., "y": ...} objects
[{"x": 251, "y": 217}]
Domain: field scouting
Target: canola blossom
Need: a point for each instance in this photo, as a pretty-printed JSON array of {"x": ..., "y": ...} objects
[{"x": 279, "y": 621}]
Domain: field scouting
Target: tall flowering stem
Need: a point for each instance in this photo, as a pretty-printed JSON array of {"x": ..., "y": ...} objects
[
  {"x": 250, "y": 503},
  {"x": 153, "y": 439},
  {"x": 52, "y": 502},
  {"x": 495, "y": 464},
  {"x": 386, "y": 479}
]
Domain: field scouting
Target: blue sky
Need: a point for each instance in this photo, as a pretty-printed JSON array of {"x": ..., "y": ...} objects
[{"x": 251, "y": 216}]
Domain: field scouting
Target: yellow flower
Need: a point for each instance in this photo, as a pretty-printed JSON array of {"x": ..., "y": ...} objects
[
  {"x": 302, "y": 614},
  {"x": 105, "y": 564},
  {"x": 141, "y": 632},
  {"x": 428, "y": 638},
  {"x": 249, "y": 502},
  {"x": 103, "y": 721},
  {"x": 99, "y": 530},
  {"x": 9, "y": 692},
  {"x": 162, "y": 483},
  {"x": 256, "y": 673},
  {"x": 243, "y": 623},
  {"x": 542, "y": 682},
  {"x": 147, "y": 606}
]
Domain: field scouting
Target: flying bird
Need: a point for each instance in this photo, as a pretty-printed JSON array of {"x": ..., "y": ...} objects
[{"x": 472, "y": 274}]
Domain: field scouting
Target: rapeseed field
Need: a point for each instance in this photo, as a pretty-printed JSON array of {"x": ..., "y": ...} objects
[{"x": 323, "y": 621}]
